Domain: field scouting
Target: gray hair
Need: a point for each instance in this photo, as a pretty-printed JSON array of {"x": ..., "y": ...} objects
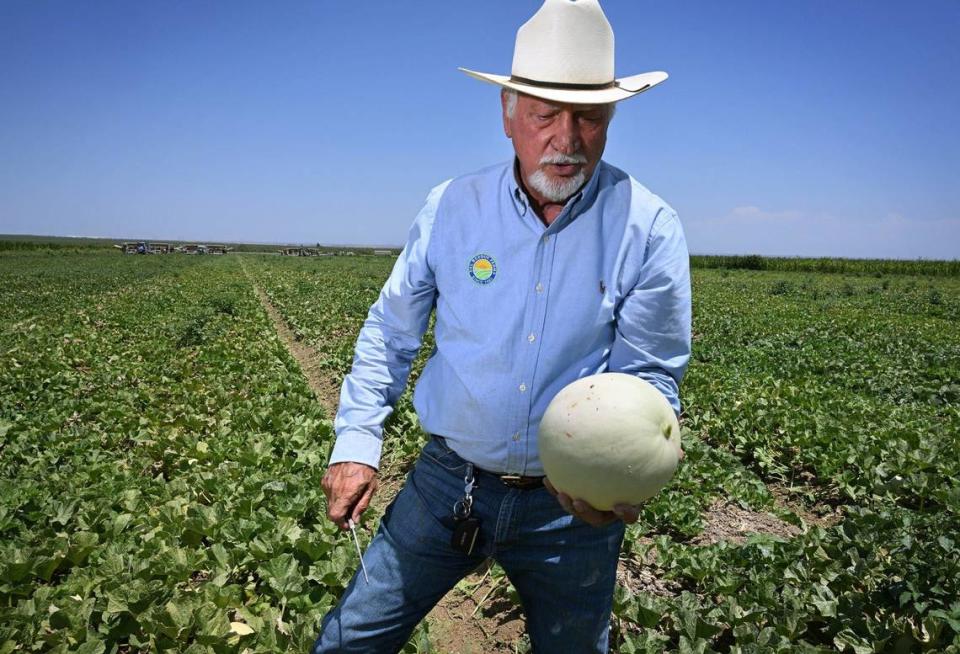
[{"x": 511, "y": 96}]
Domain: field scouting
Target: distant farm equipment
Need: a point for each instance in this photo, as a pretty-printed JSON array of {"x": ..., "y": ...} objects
[
  {"x": 144, "y": 247},
  {"x": 157, "y": 247},
  {"x": 301, "y": 252},
  {"x": 147, "y": 247}
]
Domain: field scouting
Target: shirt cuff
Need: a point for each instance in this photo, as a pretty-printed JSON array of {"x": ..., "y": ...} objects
[{"x": 358, "y": 447}]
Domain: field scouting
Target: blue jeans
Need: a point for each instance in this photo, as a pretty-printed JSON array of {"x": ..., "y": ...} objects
[{"x": 563, "y": 569}]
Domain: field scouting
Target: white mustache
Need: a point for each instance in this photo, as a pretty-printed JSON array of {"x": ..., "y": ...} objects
[{"x": 562, "y": 159}]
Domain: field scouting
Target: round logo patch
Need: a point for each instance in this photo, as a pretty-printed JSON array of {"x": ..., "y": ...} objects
[{"x": 483, "y": 269}]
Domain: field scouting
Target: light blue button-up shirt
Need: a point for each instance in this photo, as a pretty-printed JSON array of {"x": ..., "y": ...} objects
[{"x": 522, "y": 310}]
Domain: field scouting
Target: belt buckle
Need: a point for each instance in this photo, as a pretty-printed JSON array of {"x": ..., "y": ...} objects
[{"x": 518, "y": 481}]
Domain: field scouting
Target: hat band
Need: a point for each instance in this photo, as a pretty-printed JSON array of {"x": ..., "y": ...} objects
[{"x": 562, "y": 85}]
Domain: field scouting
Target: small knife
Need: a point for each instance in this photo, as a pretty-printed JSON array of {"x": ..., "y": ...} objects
[{"x": 353, "y": 530}]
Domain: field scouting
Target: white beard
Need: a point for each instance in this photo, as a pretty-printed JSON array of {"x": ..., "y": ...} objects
[{"x": 558, "y": 189}]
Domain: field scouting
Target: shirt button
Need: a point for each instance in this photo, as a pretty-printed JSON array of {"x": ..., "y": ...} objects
[
  {"x": 516, "y": 436},
  {"x": 523, "y": 388},
  {"x": 539, "y": 288},
  {"x": 546, "y": 238},
  {"x": 532, "y": 337}
]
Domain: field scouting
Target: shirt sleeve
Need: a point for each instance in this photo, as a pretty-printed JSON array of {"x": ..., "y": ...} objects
[
  {"x": 388, "y": 342},
  {"x": 652, "y": 337}
]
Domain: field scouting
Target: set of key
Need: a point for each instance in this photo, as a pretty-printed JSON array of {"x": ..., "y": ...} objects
[{"x": 466, "y": 528}]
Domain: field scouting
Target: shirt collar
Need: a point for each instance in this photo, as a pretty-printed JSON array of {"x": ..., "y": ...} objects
[{"x": 573, "y": 207}]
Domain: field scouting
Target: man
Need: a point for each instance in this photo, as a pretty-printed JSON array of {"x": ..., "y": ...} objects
[{"x": 542, "y": 270}]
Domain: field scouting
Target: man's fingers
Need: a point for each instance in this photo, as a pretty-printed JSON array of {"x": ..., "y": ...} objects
[
  {"x": 591, "y": 515},
  {"x": 582, "y": 510},
  {"x": 364, "y": 500},
  {"x": 566, "y": 503},
  {"x": 627, "y": 512},
  {"x": 343, "y": 505},
  {"x": 337, "y": 511},
  {"x": 349, "y": 487}
]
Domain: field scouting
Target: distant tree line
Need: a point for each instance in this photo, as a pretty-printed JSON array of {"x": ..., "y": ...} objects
[{"x": 829, "y": 265}]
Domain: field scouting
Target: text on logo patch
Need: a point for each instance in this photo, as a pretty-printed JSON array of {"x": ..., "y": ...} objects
[{"x": 483, "y": 269}]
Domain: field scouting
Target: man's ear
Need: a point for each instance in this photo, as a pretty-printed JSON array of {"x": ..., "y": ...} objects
[{"x": 506, "y": 119}]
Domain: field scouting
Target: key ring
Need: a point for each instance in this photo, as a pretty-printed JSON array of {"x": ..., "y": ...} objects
[{"x": 462, "y": 508}]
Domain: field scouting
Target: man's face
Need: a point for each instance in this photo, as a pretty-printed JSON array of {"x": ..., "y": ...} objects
[{"x": 558, "y": 145}]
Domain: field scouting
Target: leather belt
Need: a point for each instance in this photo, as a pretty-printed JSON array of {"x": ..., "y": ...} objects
[
  {"x": 518, "y": 481},
  {"x": 514, "y": 481},
  {"x": 510, "y": 481}
]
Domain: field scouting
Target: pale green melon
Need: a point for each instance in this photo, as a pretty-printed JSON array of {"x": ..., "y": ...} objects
[{"x": 609, "y": 439}]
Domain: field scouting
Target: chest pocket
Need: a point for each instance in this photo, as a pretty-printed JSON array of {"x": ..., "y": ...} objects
[
  {"x": 476, "y": 291},
  {"x": 581, "y": 315}
]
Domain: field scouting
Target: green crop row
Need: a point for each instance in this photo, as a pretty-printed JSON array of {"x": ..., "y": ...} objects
[
  {"x": 859, "y": 397},
  {"x": 838, "y": 389},
  {"x": 160, "y": 464},
  {"x": 325, "y": 302},
  {"x": 160, "y": 458},
  {"x": 847, "y": 395}
]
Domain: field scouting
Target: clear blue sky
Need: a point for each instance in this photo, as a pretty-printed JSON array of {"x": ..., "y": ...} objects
[{"x": 800, "y": 128}]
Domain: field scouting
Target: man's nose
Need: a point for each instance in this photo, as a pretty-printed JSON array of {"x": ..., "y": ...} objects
[{"x": 567, "y": 138}]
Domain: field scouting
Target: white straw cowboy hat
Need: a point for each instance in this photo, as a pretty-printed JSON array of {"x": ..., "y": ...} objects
[{"x": 564, "y": 53}]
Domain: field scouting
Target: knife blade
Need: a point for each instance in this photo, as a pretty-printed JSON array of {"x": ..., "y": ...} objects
[{"x": 356, "y": 541}]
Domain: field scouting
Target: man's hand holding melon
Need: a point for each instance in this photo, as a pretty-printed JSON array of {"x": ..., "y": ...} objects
[{"x": 608, "y": 442}]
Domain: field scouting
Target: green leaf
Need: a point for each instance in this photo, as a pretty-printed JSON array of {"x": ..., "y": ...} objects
[
  {"x": 283, "y": 575},
  {"x": 847, "y": 638},
  {"x": 91, "y": 647},
  {"x": 180, "y": 616}
]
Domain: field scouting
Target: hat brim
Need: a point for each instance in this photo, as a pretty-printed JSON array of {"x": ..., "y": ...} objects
[{"x": 624, "y": 88}]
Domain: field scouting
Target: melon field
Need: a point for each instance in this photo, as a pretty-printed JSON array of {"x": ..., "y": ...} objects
[{"x": 165, "y": 421}]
